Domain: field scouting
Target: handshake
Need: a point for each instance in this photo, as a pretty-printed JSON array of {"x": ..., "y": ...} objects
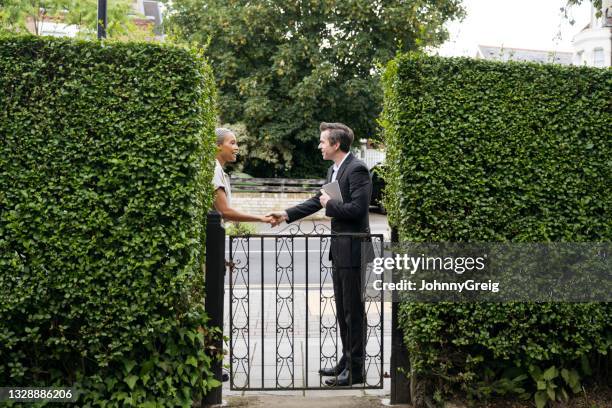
[{"x": 274, "y": 218}]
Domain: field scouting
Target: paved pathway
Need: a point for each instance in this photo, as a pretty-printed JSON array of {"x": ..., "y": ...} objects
[{"x": 314, "y": 401}]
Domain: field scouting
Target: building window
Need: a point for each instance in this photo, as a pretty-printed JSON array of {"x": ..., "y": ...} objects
[{"x": 598, "y": 57}]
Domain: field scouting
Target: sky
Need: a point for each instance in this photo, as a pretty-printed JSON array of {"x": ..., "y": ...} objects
[{"x": 531, "y": 24}]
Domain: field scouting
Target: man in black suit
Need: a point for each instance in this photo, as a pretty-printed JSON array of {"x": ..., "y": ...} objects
[{"x": 348, "y": 216}]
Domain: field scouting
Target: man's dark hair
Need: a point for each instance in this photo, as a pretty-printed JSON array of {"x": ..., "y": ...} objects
[{"x": 338, "y": 133}]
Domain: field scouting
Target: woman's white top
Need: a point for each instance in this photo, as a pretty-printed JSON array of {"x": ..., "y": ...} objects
[{"x": 222, "y": 180}]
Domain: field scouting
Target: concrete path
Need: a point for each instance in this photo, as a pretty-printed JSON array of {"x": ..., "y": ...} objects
[{"x": 327, "y": 401}]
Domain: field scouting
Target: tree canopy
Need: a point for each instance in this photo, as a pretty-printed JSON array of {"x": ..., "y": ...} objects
[{"x": 283, "y": 66}]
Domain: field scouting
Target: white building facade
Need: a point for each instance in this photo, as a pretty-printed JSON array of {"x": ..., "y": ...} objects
[
  {"x": 593, "y": 45},
  {"x": 523, "y": 55}
]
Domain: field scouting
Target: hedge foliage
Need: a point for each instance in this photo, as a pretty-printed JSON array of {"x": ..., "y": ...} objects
[
  {"x": 105, "y": 164},
  {"x": 482, "y": 151}
]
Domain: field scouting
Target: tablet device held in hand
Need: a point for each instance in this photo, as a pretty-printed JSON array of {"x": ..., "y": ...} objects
[{"x": 333, "y": 191}]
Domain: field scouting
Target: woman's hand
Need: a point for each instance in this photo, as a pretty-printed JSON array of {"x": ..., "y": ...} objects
[
  {"x": 267, "y": 219},
  {"x": 277, "y": 217}
]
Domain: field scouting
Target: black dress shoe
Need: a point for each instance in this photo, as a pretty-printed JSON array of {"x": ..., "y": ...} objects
[
  {"x": 346, "y": 378},
  {"x": 331, "y": 372}
]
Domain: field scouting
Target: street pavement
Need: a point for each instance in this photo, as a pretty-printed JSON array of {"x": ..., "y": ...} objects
[{"x": 378, "y": 225}]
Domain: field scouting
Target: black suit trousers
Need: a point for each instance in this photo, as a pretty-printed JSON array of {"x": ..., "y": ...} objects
[{"x": 350, "y": 314}]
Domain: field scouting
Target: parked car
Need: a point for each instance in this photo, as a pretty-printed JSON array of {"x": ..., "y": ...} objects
[{"x": 378, "y": 186}]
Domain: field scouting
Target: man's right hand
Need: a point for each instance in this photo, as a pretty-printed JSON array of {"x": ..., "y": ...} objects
[{"x": 277, "y": 217}]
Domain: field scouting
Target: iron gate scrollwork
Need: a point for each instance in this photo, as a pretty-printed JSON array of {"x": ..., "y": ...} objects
[{"x": 282, "y": 331}]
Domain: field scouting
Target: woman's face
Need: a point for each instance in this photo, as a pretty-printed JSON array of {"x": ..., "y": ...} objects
[{"x": 228, "y": 150}]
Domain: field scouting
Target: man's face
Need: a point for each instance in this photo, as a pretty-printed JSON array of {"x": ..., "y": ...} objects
[
  {"x": 229, "y": 149},
  {"x": 327, "y": 150}
]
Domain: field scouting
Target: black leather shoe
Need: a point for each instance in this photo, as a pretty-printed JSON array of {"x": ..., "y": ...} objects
[
  {"x": 331, "y": 372},
  {"x": 346, "y": 378}
]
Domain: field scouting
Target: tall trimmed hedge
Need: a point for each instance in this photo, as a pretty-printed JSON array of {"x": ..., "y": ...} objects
[
  {"x": 106, "y": 158},
  {"x": 482, "y": 151}
]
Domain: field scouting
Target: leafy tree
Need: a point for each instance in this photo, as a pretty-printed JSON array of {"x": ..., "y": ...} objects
[
  {"x": 597, "y": 4},
  {"x": 284, "y": 66},
  {"x": 29, "y": 15}
]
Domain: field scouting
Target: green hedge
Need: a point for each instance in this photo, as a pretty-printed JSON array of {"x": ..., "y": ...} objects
[
  {"x": 483, "y": 151},
  {"x": 105, "y": 164}
]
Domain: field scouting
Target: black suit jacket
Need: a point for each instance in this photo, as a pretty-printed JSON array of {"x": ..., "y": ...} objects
[{"x": 349, "y": 216}]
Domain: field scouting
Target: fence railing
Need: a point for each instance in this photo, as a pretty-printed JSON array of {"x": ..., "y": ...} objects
[{"x": 275, "y": 185}]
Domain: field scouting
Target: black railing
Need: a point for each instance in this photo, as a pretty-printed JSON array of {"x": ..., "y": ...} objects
[
  {"x": 215, "y": 271},
  {"x": 401, "y": 385},
  {"x": 277, "y": 268}
]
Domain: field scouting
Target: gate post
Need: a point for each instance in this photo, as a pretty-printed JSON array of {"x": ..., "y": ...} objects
[
  {"x": 400, "y": 385},
  {"x": 214, "y": 291}
]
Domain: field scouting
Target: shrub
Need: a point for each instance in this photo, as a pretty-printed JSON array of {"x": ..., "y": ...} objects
[
  {"x": 483, "y": 151},
  {"x": 240, "y": 228},
  {"x": 105, "y": 167}
]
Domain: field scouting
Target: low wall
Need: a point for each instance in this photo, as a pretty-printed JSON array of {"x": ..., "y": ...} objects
[{"x": 262, "y": 203}]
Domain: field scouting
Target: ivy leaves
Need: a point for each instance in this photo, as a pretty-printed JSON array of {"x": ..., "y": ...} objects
[
  {"x": 482, "y": 151},
  {"x": 105, "y": 167}
]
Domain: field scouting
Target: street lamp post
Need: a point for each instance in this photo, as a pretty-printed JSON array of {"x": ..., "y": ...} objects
[{"x": 102, "y": 20}]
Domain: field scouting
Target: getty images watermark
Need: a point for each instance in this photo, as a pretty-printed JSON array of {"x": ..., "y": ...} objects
[
  {"x": 489, "y": 272},
  {"x": 414, "y": 264}
]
